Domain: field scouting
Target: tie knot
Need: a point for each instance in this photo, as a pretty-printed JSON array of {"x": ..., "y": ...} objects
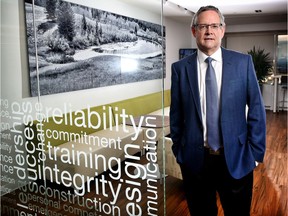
[{"x": 209, "y": 60}]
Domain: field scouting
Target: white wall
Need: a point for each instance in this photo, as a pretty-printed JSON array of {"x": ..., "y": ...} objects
[
  {"x": 243, "y": 37},
  {"x": 244, "y": 43},
  {"x": 259, "y": 27},
  {"x": 178, "y": 35}
]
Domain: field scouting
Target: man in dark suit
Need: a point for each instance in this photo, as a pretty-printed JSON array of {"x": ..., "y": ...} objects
[{"x": 218, "y": 128}]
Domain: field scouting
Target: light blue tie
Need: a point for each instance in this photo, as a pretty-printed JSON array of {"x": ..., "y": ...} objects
[{"x": 212, "y": 110}]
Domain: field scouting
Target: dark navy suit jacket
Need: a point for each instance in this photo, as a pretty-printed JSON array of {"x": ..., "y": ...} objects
[{"x": 244, "y": 138}]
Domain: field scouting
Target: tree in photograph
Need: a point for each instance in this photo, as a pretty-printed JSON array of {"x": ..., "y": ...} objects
[
  {"x": 135, "y": 30},
  {"x": 84, "y": 24},
  {"x": 51, "y": 8},
  {"x": 98, "y": 32},
  {"x": 66, "y": 21},
  {"x": 95, "y": 14},
  {"x": 41, "y": 3}
]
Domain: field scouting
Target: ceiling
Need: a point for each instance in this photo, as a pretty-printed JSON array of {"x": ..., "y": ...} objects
[{"x": 235, "y": 11}]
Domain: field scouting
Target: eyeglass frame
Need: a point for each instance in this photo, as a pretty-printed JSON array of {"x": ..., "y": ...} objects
[{"x": 213, "y": 26}]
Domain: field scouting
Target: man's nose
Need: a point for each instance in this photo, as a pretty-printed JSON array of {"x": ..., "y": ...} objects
[{"x": 208, "y": 31}]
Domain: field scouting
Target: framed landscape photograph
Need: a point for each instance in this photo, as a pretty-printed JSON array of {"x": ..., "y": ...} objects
[{"x": 80, "y": 48}]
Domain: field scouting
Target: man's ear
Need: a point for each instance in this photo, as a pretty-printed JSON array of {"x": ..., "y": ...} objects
[
  {"x": 193, "y": 31},
  {"x": 223, "y": 30}
]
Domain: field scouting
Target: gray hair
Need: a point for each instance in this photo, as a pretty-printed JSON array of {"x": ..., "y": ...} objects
[{"x": 207, "y": 8}]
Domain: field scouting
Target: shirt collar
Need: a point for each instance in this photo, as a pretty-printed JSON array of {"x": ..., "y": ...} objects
[{"x": 217, "y": 56}]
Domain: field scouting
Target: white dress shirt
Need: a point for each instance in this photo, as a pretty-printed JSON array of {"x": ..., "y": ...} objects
[{"x": 202, "y": 67}]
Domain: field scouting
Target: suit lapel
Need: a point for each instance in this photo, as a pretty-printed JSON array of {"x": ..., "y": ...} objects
[
  {"x": 192, "y": 75},
  {"x": 227, "y": 74}
]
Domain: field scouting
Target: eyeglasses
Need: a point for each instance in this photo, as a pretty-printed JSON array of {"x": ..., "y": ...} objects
[{"x": 213, "y": 26}]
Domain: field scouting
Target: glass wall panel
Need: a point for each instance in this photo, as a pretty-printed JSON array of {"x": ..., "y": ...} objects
[{"x": 83, "y": 108}]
